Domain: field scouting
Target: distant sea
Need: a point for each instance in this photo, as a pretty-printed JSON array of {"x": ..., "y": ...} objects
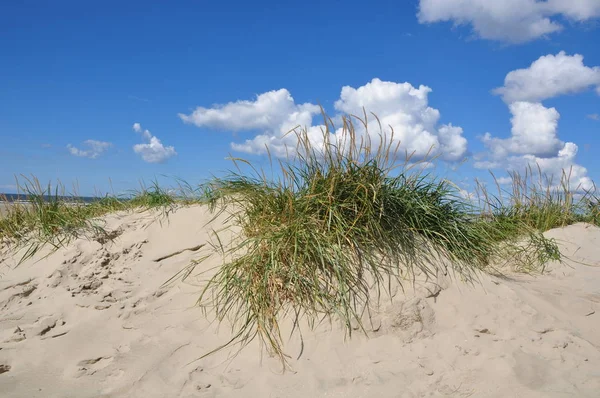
[{"x": 12, "y": 197}]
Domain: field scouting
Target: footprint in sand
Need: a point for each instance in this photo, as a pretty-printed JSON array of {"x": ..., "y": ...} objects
[
  {"x": 201, "y": 383},
  {"x": 22, "y": 291},
  {"x": 88, "y": 367},
  {"x": 414, "y": 319},
  {"x": 45, "y": 327},
  {"x": 530, "y": 370},
  {"x": 16, "y": 336}
]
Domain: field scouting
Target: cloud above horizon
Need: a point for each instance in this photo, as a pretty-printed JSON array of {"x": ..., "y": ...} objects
[
  {"x": 533, "y": 132},
  {"x": 153, "y": 151},
  {"x": 534, "y": 143},
  {"x": 534, "y": 140},
  {"x": 404, "y": 109},
  {"x": 93, "y": 151},
  {"x": 400, "y": 107},
  {"x": 512, "y": 21},
  {"x": 549, "y": 76},
  {"x": 271, "y": 110},
  {"x": 11, "y": 187}
]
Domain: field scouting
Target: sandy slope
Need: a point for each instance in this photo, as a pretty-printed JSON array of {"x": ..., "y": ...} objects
[{"x": 91, "y": 320}]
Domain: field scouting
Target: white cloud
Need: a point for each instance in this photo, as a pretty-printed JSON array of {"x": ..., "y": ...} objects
[
  {"x": 594, "y": 116},
  {"x": 399, "y": 105},
  {"x": 554, "y": 167},
  {"x": 8, "y": 187},
  {"x": 95, "y": 149},
  {"x": 514, "y": 21},
  {"x": 504, "y": 180},
  {"x": 534, "y": 143},
  {"x": 273, "y": 110},
  {"x": 578, "y": 10},
  {"x": 405, "y": 109},
  {"x": 153, "y": 151},
  {"x": 482, "y": 163},
  {"x": 548, "y": 77},
  {"x": 533, "y": 132}
]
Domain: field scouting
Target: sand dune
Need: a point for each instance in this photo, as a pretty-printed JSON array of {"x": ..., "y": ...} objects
[{"x": 91, "y": 320}]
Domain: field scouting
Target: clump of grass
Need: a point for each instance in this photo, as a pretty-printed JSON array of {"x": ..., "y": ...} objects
[
  {"x": 341, "y": 222},
  {"x": 518, "y": 245},
  {"x": 153, "y": 196},
  {"x": 107, "y": 204},
  {"x": 591, "y": 206},
  {"x": 538, "y": 201},
  {"x": 187, "y": 194},
  {"x": 531, "y": 204},
  {"x": 48, "y": 217}
]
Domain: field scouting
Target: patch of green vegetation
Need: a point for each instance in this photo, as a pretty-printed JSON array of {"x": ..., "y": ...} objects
[
  {"x": 325, "y": 239},
  {"x": 50, "y": 216},
  {"x": 153, "y": 196},
  {"x": 540, "y": 202},
  {"x": 341, "y": 222}
]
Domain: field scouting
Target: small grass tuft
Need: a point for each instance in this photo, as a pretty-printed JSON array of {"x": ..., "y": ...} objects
[
  {"x": 151, "y": 197},
  {"x": 538, "y": 201},
  {"x": 47, "y": 216}
]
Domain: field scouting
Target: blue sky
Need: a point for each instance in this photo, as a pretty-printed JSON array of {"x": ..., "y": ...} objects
[{"x": 75, "y": 71}]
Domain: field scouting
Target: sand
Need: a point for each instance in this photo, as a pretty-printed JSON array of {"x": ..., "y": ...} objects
[
  {"x": 92, "y": 320},
  {"x": 3, "y": 208}
]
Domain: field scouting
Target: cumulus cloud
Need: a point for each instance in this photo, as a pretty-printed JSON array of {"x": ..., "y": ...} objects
[
  {"x": 273, "y": 110},
  {"x": 513, "y": 21},
  {"x": 578, "y": 10},
  {"x": 534, "y": 143},
  {"x": 153, "y": 151},
  {"x": 534, "y": 130},
  {"x": 274, "y": 113},
  {"x": 554, "y": 167},
  {"x": 405, "y": 109},
  {"x": 94, "y": 149},
  {"x": 400, "y": 106},
  {"x": 548, "y": 77}
]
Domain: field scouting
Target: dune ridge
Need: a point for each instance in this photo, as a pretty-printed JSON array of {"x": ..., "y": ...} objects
[{"x": 93, "y": 320}]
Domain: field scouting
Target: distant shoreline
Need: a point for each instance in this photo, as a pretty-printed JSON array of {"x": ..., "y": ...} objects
[
  {"x": 24, "y": 198},
  {"x": 6, "y": 204}
]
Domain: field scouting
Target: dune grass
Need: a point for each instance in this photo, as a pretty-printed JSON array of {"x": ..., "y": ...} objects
[
  {"x": 540, "y": 202},
  {"x": 340, "y": 223},
  {"x": 342, "y": 220},
  {"x": 51, "y": 216}
]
